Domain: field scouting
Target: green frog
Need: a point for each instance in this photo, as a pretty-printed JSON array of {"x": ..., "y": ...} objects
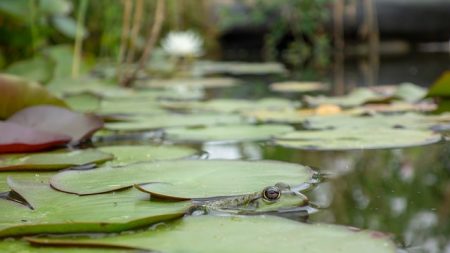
[{"x": 271, "y": 199}]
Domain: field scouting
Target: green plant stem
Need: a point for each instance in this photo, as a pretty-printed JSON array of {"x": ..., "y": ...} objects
[
  {"x": 33, "y": 27},
  {"x": 79, "y": 39}
]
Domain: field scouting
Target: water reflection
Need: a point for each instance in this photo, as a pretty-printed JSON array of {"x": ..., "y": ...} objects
[{"x": 405, "y": 192}]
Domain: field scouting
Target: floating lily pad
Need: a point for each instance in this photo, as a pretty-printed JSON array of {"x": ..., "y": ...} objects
[
  {"x": 173, "y": 120},
  {"x": 208, "y": 82},
  {"x": 231, "y": 105},
  {"x": 185, "y": 179},
  {"x": 18, "y": 246},
  {"x": 355, "y": 98},
  {"x": 255, "y": 234},
  {"x": 358, "y": 138},
  {"x": 42, "y": 177},
  {"x": 410, "y": 92},
  {"x": 17, "y": 93},
  {"x": 58, "y": 120},
  {"x": 83, "y": 102},
  {"x": 227, "y": 133},
  {"x": 52, "y": 160},
  {"x": 128, "y": 106},
  {"x": 15, "y": 138},
  {"x": 57, "y": 212},
  {"x": 125, "y": 154},
  {"x": 37, "y": 69},
  {"x": 238, "y": 68},
  {"x": 297, "y": 87}
]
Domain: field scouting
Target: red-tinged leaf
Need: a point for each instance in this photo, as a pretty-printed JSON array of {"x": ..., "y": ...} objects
[
  {"x": 17, "y": 93},
  {"x": 58, "y": 120},
  {"x": 15, "y": 138}
]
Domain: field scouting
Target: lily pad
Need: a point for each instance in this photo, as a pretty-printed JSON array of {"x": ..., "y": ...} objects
[
  {"x": 255, "y": 234},
  {"x": 227, "y": 133},
  {"x": 238, "y": 68},
  {"x": 15, "y": 138},
  {"x": 58, "y": 120},
  {"x": 83, "y": 102},
  {"x": 18, "y": 246},
  {"x": 57, "y": 212},
  {"x": 232, "y": 105},
  {"x": 208, "y": 82},
  {"x": 38, "y": 69},
  {"x": 52, "y": 160},
  {"x": 185, "y": 179},
  {"x": 441, "y": 87},
  {"x": 128, "y": 106},
  {"x": 173, "y": 120},
  {"x": 410, "y": 92},
  {"x": 297, "y": 87},
  {"x": 126, "y": 154},
  {"x": 42, "y": 177},
  {"x": 355, "y": 98},
  {"x": 358, "y": 138},
  {"x": 17, "y": 93}
]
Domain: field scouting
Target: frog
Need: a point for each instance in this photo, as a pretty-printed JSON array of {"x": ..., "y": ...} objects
[{"x": 274, "y": 198}]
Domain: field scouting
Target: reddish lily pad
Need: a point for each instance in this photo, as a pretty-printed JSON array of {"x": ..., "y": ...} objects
[
  {"x": 58, "y": 120},
  {"x": 17, "y": 93},
  {"x": 15, "y": 138}
]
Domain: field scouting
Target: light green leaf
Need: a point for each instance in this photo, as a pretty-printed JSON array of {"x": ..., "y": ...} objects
[
  {"x": 52, "y": 160},
  {"x": 173, "y": 120},
  {"x": 364, "y": 138},
  {"x": 441, "y": 87},
  {"x": 67, "y": 26},
  {"x": 57, "y": 212},
  {"x": 257, "y": 234},
  {"x": 185, "y": 179},
  {"x": 37, "y": 69},
  {"x": 126, "y": 154},
  {"x": 18, "y": 246},
  {"x": 357, "y": 97},
  {"x": 227, "y": 133},
  {"x": 30, "y": 176},
  {"x": 55, "y": 7}
]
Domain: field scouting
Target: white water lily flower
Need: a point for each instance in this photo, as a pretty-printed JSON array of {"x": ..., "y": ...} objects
[{"x": 182, "y": 44}]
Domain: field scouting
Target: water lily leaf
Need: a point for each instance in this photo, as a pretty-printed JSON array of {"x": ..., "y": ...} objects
[
  {"x": 83, "y": 102},
  {"x": 185, "y": 178},
  {"x": 238, "y": 68},
  {"x": 17, "y": 93},
  {"x": 37, "y": 69},
  {"x": 17, "y": 138},
  {"x": 126, "y": 154},
  {"x": 128, "y": 106},
  {"x": 173, "y": 120},
  {"x": 227, "y": 133},
  {"x": 52, "y": 160},
  {"x": 19, "y": 246},
  {"x": 253, "y": 234},
  {"x": 205, "y": 83},
  {"x": 231, "y": 105},
  {"x": 299, "y": 87},
  {"x": 410, "y": 92},
  {"x": 42, "y": 177},
  {"x": 357, "y": 97},
  {"x": 57, "y": 212},
  {"x": 358, "y": 138},
  {"x": 58, "y": 120},
  {"x": 441, "y": 87}
]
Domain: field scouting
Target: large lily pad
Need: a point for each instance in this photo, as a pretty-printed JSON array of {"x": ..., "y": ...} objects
[
  {"x": 185, "y": 179},
  {"x": 42, "y": 177},
  {"x": 227, "y": 133},
  {"x": 83, "y": 102},
  {"x": 17, "y": 93},
  {"x": 208, "y": 82},
  {"x": 125, "y": 154},
  {"x": 58, "y": 120},
  {"x": 57, "y": 212},
  {"x": 255, "y": 234},
  {"x": 37, "y": 69},
  {"x": 128, "y": 106},
  {"x": 238, "y": 68},
  {"x": 16, "y": 138},
  {"x": 355, "y": 98},
  {"x": 173, "y": 120},
  {"x": 358, "y": 138},
  {"x": 52, "y": 160},
  {"x": 231, "y": 105}
]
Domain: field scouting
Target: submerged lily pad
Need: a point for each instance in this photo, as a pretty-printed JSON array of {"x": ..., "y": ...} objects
[
  {"x": 227, "y": 133},
  {"x": 125, "y": 154},
  {"x": 173, "y": 120},
  {"x": 57, "y": 212},
  {"x": 58, "y": 120},
  {"x": 185, "y": 179},
  {"x": 296, "y": 86},
  {"x": 52, "y": 160},
  {"x": 358, "y": 138},
  {"x": 17, "y": 93},
  {"x": 257, "y": 234},
  {"x": 15, "y": 138}
]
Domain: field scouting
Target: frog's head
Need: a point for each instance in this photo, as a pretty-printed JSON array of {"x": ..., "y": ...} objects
[{"x": 276, "y": 198}]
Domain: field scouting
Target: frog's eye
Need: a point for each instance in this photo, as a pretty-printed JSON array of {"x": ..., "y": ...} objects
[{"x": 271, "y": 193}]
